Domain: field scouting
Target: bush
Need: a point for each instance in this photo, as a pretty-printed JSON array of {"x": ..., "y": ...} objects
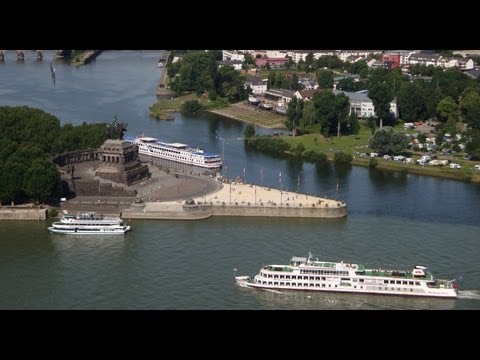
[
  {"x": 341, "y": 158},
  {"x": 52, "y": 212},
  {"x": 191, "y": 107},
  {"x": 372, "y": 162},
  {"x": 314, "y": 156}
]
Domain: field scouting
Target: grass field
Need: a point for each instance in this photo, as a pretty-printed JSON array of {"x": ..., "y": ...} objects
[
  {"x": 357, "y": 144},
  {"x": 252, "y": 114}
]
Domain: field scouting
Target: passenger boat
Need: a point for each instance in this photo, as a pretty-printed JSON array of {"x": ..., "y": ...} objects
[
  {"x": 178, "y": 152},
  {"x": 89, "y": 223},
  {"x": 310, "y": 274}
]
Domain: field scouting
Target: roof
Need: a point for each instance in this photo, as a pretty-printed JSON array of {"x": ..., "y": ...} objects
[
  {"x": 297, "y": 258},
  {"x": 474, "y": 74},
  {"x": 308, "y": 93},
  {"x": 279, "y": 92},
  {"x": 255, "y": 80},
  {"x": 424, "y": 56}
]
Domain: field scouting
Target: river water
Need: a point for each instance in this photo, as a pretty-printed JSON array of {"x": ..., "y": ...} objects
[{"x": 395, "y": 220}]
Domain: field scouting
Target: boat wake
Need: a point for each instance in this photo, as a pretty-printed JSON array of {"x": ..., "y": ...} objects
[
  {"x": 273, "y": 291},
  {"x": 469, "y": 294}
]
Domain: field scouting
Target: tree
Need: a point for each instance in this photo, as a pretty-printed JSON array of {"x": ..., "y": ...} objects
[
  {"x": 342, "y": 107},
  {"x": 353, "y": 124},
  {"x": 249, "y": 131},
  {"x": 325, "y": 79},
  {"x": 308, "y": 62},
  {"x": 308, "y": 115},
  {"x": 248, "y": 59},
  {"x": 41, "y": 180},
  {"x": 294, "y": 113},
  {"x": 381, "y": 96},
  {"x": 470, "y": 108},
  {"x": 410, "y": 102},
  {"x": 447, "y": 108},
  {"x": 386, "y": 141},
  {"x": 324, "y": 104}
]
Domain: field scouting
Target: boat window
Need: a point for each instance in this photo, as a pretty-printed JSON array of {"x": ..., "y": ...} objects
[{"x": 287, "y": 276}]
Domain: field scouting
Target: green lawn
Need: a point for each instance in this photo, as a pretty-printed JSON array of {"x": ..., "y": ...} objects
[{"x": 356, "y": 144}]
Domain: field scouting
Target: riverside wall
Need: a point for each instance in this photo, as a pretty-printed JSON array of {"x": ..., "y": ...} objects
[{"x": 15, "y": 213}]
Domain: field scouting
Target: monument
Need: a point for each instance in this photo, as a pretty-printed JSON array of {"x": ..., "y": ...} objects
[{"x": 118, "y": 159}]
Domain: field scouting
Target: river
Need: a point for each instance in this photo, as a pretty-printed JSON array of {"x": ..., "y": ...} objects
[{"x": 395, "y": 220}]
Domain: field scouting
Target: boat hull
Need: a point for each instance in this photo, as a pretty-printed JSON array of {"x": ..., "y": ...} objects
[
  {"x": 245, "y": 281},
  {"x": 89, "y": 232},
  {"x": 179, "y": 160}
]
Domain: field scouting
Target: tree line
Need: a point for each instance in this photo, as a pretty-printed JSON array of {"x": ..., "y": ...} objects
[
  {"x": 29, "y": 138},
  {"x": 198, "y": 71}
]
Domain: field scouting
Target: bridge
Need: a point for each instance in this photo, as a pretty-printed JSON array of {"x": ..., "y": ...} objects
[{"x": 37, "y": 53}]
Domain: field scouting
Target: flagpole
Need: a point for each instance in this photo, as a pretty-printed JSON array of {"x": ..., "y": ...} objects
[{"x": 281, "y": 189}]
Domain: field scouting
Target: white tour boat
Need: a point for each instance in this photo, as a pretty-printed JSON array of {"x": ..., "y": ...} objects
[
  {"x": 310, "y": 274},
  {"x": 89, "y": 223},
  {"x": 176, "y": 152}
]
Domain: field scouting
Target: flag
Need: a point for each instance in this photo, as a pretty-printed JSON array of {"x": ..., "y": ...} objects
[{"x": 460, "y": 279}]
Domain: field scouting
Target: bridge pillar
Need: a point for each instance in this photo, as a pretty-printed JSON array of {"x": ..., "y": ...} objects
[
  {"x": 39, "y": 54},
  {"x": 20, "y": 55}
]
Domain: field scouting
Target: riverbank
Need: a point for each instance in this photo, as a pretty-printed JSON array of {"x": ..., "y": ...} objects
[
  {"x": 240, "y": 111},
  {"x": 250, "y": 114}
]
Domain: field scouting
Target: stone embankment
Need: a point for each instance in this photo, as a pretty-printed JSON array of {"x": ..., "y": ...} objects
[
  {"x": 22, "y": 213},
  {"x": 237, "y": 199}
]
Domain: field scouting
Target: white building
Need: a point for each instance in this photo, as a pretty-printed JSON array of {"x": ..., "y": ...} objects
[
  {"x": 237, "y": 64},
  {"x": 362, "y": 105},
  {"x": 257, "y": 85},
  {"x": 232, "y": 55},
  {"x": 276, "y": 53},
  {"x": 298, "y": 55},
  {"x": 344, "y": 54},
  {"x": 424, "y": 59}
]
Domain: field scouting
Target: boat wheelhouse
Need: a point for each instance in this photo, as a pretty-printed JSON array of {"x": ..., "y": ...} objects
[
  {"x": 310, "y": 274},
  {"x": 178, "y": 152},
  {"x": 89, "y": 223}
]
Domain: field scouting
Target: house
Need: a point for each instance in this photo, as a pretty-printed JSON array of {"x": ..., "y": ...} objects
[
  {"x": 424, "y": 59},
  {"x": 280, "y": 95},
  {"x": 466, "y": 64},
  {"x": 273, "y": 62},
  {"x": 305, "y": 95},
  {"x": 257, "y": 85},
  {"x": 362, "y": 105},
  {"x": 308, "y": 84}
]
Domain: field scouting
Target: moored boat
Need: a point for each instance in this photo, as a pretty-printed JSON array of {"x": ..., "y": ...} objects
[
  {"x": 178, "y": 152},
  {"x": 89, "y": 223}
]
